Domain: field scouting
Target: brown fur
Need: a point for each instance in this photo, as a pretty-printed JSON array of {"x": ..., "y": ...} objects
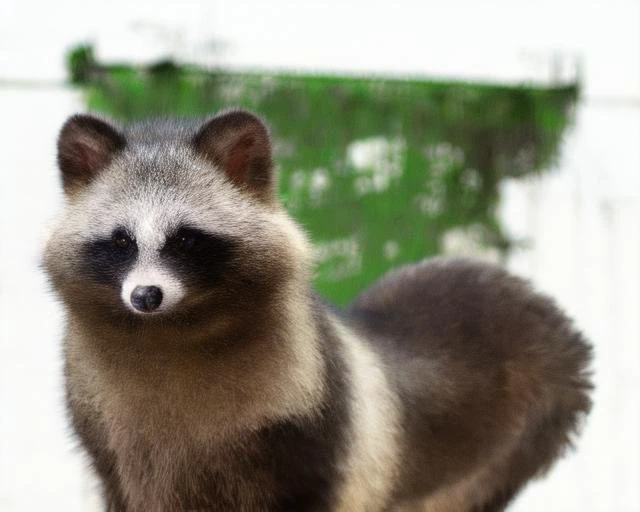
[
  {"x": 445, "y": 386},
  {"x": 493, "y": 375}
]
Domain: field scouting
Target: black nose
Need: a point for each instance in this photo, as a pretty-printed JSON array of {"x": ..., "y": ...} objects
[{"x": 146, "y": 298}]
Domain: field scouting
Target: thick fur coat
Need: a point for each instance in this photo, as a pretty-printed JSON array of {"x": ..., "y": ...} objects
[{"x": 203, "y": 373}]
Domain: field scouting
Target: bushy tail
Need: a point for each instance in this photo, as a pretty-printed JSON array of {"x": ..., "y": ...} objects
[{"x": 558, "y": 405}]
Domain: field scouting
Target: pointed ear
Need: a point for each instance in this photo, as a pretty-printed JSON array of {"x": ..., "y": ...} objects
[
  {"x": 238, "y": 143},
  {"x": 86, "y": 145}
]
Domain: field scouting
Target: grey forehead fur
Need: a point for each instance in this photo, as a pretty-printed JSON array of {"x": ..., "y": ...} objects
[
  {"x": 159, "y": 157},
  {"x": 157, "y": 129},
  {"x": 159, "y": 174},
  {"x": 159, "y": 148}
]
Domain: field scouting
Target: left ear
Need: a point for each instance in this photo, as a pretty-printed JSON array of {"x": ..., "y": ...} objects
[{"x": 238, "y": 143}]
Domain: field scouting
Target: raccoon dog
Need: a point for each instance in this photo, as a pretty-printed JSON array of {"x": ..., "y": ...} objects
[{"x": 203, "y": 374}]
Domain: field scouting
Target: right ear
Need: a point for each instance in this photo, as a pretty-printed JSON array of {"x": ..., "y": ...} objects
[{"x": 86, "y": 145}]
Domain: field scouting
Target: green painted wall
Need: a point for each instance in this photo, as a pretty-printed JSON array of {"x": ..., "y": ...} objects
[{"x": 377, "y": 171}]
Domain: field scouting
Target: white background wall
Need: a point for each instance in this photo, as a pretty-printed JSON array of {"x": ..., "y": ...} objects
[{"x": 582, "y": 220}]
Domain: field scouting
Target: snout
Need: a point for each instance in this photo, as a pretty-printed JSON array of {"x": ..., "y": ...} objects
[
  {"x": 151, "y": 289},
  {"x": 146, "y": 299}
]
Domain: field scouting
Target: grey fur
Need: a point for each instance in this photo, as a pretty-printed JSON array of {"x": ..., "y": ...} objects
[{"x": 445, "y": 386}]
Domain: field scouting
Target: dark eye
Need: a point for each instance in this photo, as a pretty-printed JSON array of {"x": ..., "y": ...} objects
[
  {"x": 121, "y": 239},
  {"x": 185, "y": 240}
]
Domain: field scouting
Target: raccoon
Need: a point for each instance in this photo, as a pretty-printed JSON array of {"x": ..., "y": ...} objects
[{"x": 204, "y": 374}]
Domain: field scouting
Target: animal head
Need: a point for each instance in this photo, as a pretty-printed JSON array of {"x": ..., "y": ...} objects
[{"x": 170, "y": 220}]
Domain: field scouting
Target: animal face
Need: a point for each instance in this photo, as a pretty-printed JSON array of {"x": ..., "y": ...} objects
[{"x": 170, "y": 219}]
